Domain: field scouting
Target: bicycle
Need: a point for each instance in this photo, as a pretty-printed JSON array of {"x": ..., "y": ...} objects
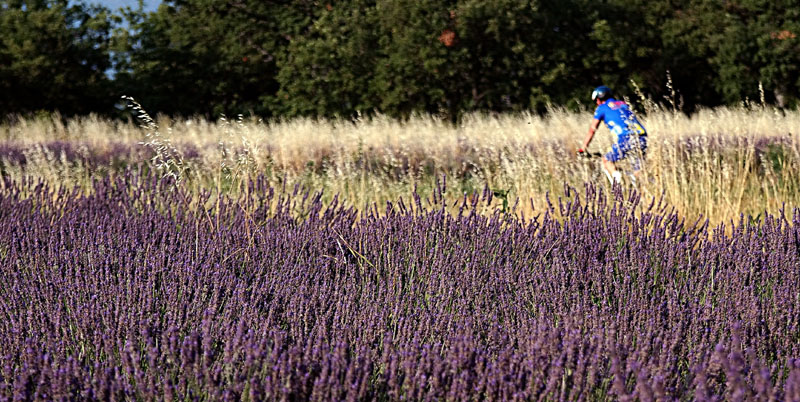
[{"x": 634, "y": 165}]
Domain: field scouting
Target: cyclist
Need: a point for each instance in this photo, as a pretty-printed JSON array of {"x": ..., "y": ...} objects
[{"x": 621, "y": 121}]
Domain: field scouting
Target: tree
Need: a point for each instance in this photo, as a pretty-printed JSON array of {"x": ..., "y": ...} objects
[
  {"x": 436, "y": 56},
  {"x": 524, "y": 54},
  {"x": 758, "y": 42},
  {"x": 643, "y": 40},
  {"x": 329, "y": 70},
  {"x": 738, "y": 45},
  {"x": 208, "y": 56},
  {"x": 54, "y": 56}
]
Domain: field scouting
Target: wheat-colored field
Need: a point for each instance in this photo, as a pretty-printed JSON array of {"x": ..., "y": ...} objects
[{"x": 717, "y": 163}]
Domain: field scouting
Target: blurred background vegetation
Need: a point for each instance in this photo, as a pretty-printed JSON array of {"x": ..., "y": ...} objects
[{"x": 394, "y": 57}]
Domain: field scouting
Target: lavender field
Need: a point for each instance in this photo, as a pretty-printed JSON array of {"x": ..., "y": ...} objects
[{"x": 141, "y": 289}]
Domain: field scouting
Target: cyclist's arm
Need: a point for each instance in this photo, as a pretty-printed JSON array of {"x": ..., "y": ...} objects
[{"x": 592, "y": 128}]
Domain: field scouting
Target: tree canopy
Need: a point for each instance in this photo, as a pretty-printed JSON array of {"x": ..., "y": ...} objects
[
  {"x": 53, "y": 56},
  {"x": 396, "y": 57}
]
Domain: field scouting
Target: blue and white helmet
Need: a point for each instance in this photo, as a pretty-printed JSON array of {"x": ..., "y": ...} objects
[{"x": 602, "y": 92}]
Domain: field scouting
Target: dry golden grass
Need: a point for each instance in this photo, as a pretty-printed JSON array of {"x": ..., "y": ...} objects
[{"x": 718, "y": 163}]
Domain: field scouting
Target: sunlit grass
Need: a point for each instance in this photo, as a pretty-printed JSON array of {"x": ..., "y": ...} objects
[{"x": 717, "y": 163}]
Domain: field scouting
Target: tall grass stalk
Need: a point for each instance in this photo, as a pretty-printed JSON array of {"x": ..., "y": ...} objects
[{"x": 717, "y": 163}]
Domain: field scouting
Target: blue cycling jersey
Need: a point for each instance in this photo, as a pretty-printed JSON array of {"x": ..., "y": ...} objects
[{"x": 619, "y": 119}]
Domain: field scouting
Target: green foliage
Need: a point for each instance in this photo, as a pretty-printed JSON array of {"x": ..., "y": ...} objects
[
  {"x": 522, "y": 54},
  {"x": 436, "y": 56},
  {"x": 416, "y": 72},
  {"x": 53, "y": 56},
  {"x": 397, "y": 57},
  {"x": 327, "y": 71},
  {"x": 208, "y": 56},
  {"x": 739, "y": 45},
  {"x": 758, "y": 43}
]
